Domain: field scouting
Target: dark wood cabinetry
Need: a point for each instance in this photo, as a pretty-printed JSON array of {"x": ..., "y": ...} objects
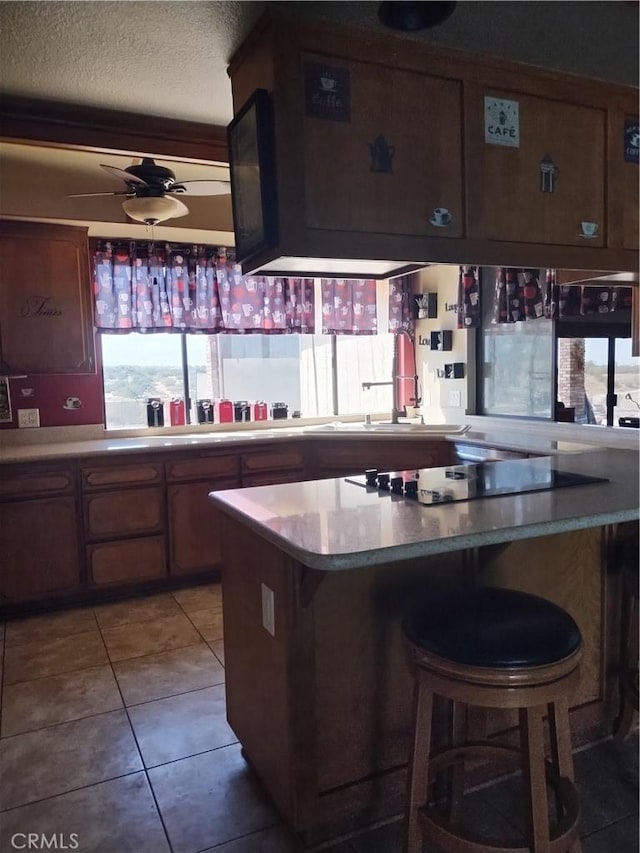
[
  {"x": 73, "y": 530},
  {"x": 39, "y": 533},
  {"x": 384, "y": 171},
  {"x": 505, "y": 200},
  {"x": 354, "y": 456},
  {"x": 124, "y": 521},
  {"x": 383, "y": 151},
  {"x": 193, "y": 522},
  {"x": 45, "y": 293}
]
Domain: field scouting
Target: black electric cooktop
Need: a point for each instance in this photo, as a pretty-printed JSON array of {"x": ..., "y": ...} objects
[{"x": 465, "y": 482}]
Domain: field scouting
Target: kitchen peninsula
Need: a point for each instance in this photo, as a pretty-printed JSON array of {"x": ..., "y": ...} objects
[{"x": 316, "y": 576}]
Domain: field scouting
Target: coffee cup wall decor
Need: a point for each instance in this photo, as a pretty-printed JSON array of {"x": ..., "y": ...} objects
[
  {"x": 589, "y": 230},
  {"x": 440, "y": 217}
]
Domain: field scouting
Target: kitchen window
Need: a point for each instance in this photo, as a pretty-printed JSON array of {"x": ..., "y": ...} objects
[{"x": 315, "y": 375}]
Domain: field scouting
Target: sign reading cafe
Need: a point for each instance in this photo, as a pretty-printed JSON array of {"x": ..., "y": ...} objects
[{"x": 501, "y": 122}]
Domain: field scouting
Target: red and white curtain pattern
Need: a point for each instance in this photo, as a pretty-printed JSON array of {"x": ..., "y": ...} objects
[
  {"x": 468, "y": 298},
  {"x": 573, "y": 300},
  {"x": 517, "y": 296},
  {"x": 349, "y": 306},
  {"x": 401, "y": 292},
  {"x": 141, "y": 287}
]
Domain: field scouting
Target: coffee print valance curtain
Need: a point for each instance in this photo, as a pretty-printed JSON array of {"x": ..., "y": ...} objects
[
  {"x": 574, "y": 300},
  {"x": 401, "y": 291},
  {"x": 143, "y": 287},
  {"x": 517, "y": 296},
  {"x": 468, "y": 298},
  {"x": 349, "y": 306}
]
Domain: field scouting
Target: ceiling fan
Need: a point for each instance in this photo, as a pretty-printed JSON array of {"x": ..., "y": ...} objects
[{"x": 152, "y": 191}]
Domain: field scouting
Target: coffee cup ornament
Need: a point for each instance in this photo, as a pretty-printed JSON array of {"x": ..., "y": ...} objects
[
  {"x": 589, "y": 230},
  {"x": 72, "y": 403},
  {"x": 440, "y": 217}
]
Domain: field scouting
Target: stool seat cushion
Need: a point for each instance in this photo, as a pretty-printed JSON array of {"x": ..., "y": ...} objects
[{"x": 492, "y": 627}]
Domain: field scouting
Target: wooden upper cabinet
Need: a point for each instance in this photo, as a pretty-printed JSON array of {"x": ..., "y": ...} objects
[
  {"x": 544, "y": 189},
  {"x": 45, "y": 299},
  {"x": 396, "y": 162},
  {"x": 623, "y": 196},
  {"x": 381, "y": 163}
]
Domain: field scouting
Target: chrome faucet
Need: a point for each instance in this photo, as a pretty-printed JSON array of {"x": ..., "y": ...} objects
[{"x": 396, "y": 411}]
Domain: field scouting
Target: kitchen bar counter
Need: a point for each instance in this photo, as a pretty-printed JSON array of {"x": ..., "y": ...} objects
[
  {"x": 334, "y": 524},
  {"x": 317, "y": 685}
]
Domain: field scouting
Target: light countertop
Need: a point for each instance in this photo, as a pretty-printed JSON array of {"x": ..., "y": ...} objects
[
  {"x": 335, "y": 525},
  {"x": 79, "y": 442}
]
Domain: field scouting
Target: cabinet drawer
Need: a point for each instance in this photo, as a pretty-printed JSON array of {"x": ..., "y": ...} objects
[
  {"x": 273, "y": 478},
  {"x": 128, "y": 561},
  {"x": 15, "y": 485},
  {"x": 274, "y": 460},
  {"x": 202, "y": 467},
  {"x": 143, "y": 473},
  {"x": 354, "y": 457},
  {"x": 123, "y": 513}
]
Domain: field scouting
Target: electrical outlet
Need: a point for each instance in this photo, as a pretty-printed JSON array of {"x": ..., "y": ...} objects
[
  {"x": 455, "y": 399},
  {"x": 268, "y": 610},
  {"x": 28, "y": 417}
]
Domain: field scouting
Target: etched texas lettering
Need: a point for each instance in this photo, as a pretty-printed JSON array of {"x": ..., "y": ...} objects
[{"x": 40, "y": 306}]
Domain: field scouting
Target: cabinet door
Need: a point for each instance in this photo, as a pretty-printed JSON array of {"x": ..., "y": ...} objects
[
  {"x": 396, "y": 161},
  {"x": 194, "y": 526},
  {"x": 354, "y": 457},
  {"x": 623, "y": 196},
  {"x": 126, "y": 561},
  {"x": 39, "y": 548},
  {"x": 124, "y": 513},
  {"x": 504, "y": 184},
  {"x": 45, "y": 311}
]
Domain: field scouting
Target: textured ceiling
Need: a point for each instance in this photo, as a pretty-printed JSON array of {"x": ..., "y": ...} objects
[{"x": 169, "y": 58}]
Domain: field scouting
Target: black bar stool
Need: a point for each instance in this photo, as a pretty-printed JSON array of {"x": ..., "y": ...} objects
[{"x": 494, "y": 648}]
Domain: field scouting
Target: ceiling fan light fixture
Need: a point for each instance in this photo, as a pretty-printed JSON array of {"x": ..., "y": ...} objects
[{"x": 154, "y": 209}]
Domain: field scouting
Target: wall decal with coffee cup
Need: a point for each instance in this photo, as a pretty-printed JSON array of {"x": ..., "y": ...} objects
[
  {"x": 72, "y": 403},
  {"x": 441, "y": 217},
  {"x": 589, "y": 230},
  {"x": 327, "y": 91}
]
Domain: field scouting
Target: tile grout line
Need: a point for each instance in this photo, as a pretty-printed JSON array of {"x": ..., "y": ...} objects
[
  {"x": 196, "y": 627},
  {"x": 135, "y": 740},
  {"x": 70, "y": 791}
]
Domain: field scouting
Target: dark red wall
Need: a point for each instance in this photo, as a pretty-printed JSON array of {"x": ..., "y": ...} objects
[{"x": 50, "y": 392}]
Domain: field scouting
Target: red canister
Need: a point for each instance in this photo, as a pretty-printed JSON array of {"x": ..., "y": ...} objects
[
  {"x": 176, "y": 412},
  {"x": 259, "y": 411},
  {"x": 223, "y": 411}
]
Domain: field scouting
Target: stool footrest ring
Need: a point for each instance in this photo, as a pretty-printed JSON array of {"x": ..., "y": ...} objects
[{"x": 447, "y": 834}]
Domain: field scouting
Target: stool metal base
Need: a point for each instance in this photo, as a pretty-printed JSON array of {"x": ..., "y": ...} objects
[{"x": 447, "y": 833}]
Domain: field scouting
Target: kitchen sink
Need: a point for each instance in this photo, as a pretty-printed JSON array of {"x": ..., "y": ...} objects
[{"x": 388, "y": 427}]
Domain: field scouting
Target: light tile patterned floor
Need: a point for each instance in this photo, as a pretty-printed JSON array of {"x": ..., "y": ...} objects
[{"x": 113, "y": 727}]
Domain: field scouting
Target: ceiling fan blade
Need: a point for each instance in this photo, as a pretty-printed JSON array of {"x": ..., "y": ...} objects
[
  {"x": 93, "y": 195},
  {"x": 122, "y": 175},
  {"x": 201, "y": 187}
]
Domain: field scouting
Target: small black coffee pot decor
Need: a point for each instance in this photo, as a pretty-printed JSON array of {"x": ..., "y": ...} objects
[
  {"x": 548, "y": 173},
  {"x": 381, "y": 155}
]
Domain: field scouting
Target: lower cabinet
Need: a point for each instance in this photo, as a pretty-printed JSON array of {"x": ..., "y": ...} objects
[
  {"x": 39, "y": 549},
  {"x": 69, "y": 529},
  {"x": 194, "y": 526},
  {"x": 126, "y": 561}
]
